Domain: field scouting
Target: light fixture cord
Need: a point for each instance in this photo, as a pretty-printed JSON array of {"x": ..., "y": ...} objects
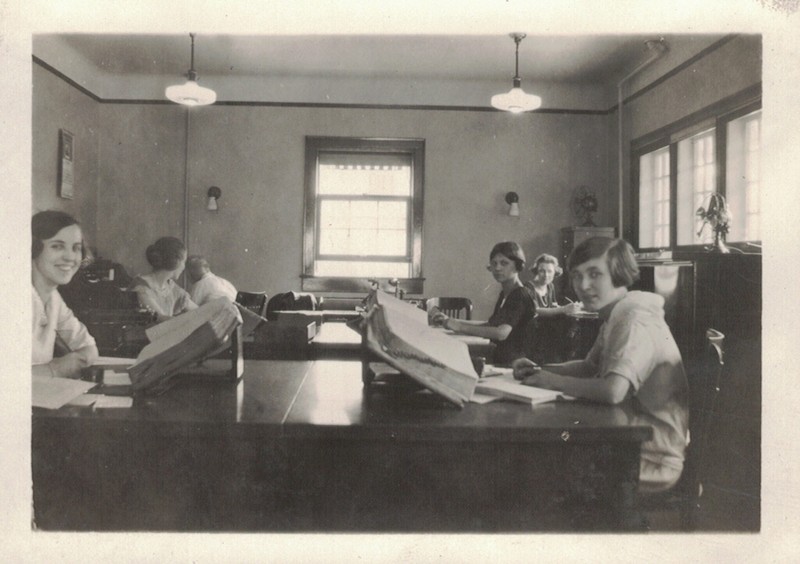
[{"x": 517, "y": 40}]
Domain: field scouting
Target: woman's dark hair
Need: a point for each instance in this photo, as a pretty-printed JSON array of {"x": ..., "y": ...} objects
[
  {"x": 511, "y": 250},
  {"x": 166, "y": 253},
  {"x": 619, "y": 257},
  {"x": 45, "y": 225}
]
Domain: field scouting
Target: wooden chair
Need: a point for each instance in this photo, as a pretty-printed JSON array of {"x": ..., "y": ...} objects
[
  {"x": 704, "y": 385},
  {"x": 458, "y": 308},
  {"x": 254, "y": 301}
]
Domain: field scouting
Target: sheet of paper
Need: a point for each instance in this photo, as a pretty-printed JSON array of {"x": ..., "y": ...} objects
[
  {"x": 84, "y": 400},
  {"x": 52, "y": 393},
  {"x": 113, "y": 402},
  {"x": 478, "y": 397},
  {"x": 492, "y": 370},
  {"x": 113, "y": 361},
  {"x": 506, "y": 386},
  {"x": 436, "y": 344},
  {"x": 111, "y": 378}
]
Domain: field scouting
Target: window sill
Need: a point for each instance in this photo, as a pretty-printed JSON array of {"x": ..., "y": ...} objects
[{"x": 357, "y": 285}]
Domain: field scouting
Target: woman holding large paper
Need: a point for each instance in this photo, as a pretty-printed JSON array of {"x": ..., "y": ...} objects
[
  {"x": 56, "y": 252},
  {"x": 511, "y": 322}
]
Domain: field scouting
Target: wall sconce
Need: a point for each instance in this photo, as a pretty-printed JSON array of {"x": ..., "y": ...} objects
[
  {"x": 214, "y": 194},
  {"x": 512, "y": 199}
]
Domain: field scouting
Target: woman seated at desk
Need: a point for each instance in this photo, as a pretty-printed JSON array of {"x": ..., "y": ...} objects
[
  {"x": 56, "y": 253},
  {"x": 551, "y": 341},
  {"x": 545, "y": 268},
  {"x": 158, "y": 291},
  {"x": 634, "y": 356},
  {"x": 510, "y": 324}
]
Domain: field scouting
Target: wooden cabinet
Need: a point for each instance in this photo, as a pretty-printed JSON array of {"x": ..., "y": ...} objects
[
  {"x": 571, "y": 237},
  {"x": 728, "y": 298}
]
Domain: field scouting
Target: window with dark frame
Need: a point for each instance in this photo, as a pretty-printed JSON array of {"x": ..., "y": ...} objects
[
  {"x": 675, "y": 171},
  {"x": 363, "y": 213}
]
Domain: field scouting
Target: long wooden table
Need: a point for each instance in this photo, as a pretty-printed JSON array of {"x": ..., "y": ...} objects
[
  {"x": 302, "y": 446},
  {"x": 334, "y": 340}
]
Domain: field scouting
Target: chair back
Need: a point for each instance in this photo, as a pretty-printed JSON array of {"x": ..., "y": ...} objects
[
  {"x": 706, "y": 380},
  {"x": 254, "y": 301},
  {"x": 458, "y": 308},
  {"x": 705, "y": 387}
]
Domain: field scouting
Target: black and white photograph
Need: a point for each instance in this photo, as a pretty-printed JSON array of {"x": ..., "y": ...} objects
[{"x": 447, "y": 283}]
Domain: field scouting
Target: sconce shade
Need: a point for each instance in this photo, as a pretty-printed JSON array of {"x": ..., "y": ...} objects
[
  {"x": 214, "y": 193},
  {"x": 512, "y": 199}
]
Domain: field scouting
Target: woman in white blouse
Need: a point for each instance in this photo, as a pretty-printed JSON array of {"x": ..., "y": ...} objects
[{"x": 56, "y": 254}]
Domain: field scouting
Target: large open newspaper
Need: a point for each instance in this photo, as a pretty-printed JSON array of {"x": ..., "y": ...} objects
[{"x": 398, "y": 332}]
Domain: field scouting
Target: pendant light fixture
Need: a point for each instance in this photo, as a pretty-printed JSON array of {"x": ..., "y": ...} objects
[
  {"x": 516, "y": 100},
  {"x": 190, "y": 93}
]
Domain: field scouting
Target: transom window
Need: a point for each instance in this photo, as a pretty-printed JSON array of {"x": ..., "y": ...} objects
[{"x": 363, "y": 212}]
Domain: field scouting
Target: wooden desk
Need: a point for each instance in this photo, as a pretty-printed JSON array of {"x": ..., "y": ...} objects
[
  {"x": 299, "y": 446},
  {"x": 336, "y": 341}
]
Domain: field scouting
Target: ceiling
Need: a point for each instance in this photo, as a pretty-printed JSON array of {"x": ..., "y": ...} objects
[{"x": 457, "y": 70}]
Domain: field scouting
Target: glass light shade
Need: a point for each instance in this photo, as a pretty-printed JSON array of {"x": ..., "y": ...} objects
[
  {"x": 514, "y": 209},
  {"x": 212, "y": 204},
  {"x": 516, "y": 101},
  {"x": 191, "y": 94}
]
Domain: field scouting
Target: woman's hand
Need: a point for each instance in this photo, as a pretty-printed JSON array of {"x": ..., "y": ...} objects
[
  {"x": 69, "y": 365},
  {"x": 524, "y": 367},
  {"x": 572, "y": 307},
  {"x": 543, "y": 379},
  {"x": 439, "y": 319}
]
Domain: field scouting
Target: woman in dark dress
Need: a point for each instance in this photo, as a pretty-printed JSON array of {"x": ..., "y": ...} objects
[{"x": 512, "y": 320}]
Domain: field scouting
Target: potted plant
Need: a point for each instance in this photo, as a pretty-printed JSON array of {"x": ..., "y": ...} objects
[{"x": 717, "y": 216}]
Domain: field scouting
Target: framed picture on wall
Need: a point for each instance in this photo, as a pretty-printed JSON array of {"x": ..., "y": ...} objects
[{"x": 66, "y": 154}]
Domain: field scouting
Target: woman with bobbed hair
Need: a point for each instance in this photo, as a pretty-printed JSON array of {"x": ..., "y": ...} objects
[
  {"x": 158, "y": 291},
  {"x": 545, "y": 268},
  {"x": 57, "y": 248},
  {"x": 634, "y": 357},
  {"x": 512, "y": 320}
]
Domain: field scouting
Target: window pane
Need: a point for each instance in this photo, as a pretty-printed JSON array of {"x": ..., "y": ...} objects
[
  {"x": 697, "y": 180},
  {"x": 654, "y": 224},
  {"x": 743, "y": 177},
  {"x": 363, "y": 227},
  {"x": 363, "y": 269},
  {"x": 352, "y": 174}
]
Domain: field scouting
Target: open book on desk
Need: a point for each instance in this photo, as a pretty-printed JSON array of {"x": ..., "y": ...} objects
[
  {"x": 505, "y": 387},
  {"x": 184, "y": 340},
  {"x": 398, "y": 332}
]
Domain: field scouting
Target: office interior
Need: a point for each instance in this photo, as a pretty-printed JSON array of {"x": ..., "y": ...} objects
[{"x": 143, "y": 167}]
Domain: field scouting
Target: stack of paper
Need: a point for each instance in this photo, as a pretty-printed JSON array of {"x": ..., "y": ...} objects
[{"x": 505, "y": 387}]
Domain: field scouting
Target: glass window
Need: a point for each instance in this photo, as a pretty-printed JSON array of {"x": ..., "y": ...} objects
[
  {"x": 363, "y": 211},
  {"x": 654, "y": 199},
  {"x": 697, "y": 180},
  {"x": 678, "y": 168},
  {"x": 743, "y": 177}
]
